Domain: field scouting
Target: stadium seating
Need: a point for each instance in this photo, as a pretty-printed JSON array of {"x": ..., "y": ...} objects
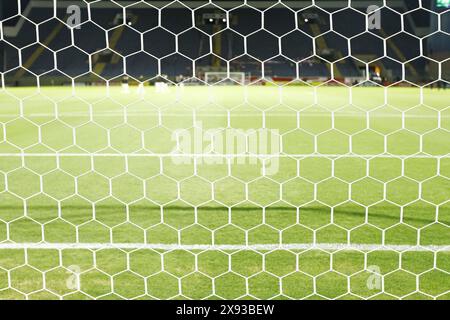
[{"x": 195, "y": 44}]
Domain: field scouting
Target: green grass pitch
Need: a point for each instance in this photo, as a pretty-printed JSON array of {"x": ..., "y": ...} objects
[{"x": 332, "y": 187}]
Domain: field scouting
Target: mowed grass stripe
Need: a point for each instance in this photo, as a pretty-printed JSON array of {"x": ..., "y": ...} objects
[
  {"x": 181, "y": 274},
  {"x": 350, "y": 200}
]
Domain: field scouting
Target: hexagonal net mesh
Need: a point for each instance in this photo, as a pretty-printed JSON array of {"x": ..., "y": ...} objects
[{"x": 224, "y": 149}]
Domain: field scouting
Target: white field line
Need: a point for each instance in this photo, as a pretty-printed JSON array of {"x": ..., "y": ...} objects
[
  {"x": 223, "y": 114},
  {"x": 215, "y": 155},
  {"x": 254, "y": 247}
]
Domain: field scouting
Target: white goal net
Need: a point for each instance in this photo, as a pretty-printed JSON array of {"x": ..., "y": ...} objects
[{"x": 315, "y": 166}]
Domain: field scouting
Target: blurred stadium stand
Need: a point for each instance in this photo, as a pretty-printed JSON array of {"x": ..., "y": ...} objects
[{"x": 130, "y": 38}]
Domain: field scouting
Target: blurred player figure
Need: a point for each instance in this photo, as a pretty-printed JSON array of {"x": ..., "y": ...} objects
[
  {"x": 140, "y": 89},
  {"x": 161, "y": 87},
  {"x": 125, "y": 85}
]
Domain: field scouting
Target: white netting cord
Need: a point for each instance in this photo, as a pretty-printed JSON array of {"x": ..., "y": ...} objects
[{"x": 130, "y": 196}]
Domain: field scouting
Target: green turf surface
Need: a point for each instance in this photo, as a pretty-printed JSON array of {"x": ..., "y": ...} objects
[{"x": 400, "y": 198}]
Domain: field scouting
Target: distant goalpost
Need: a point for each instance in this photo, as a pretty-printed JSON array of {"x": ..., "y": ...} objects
[{"x": 229, "y": 78}]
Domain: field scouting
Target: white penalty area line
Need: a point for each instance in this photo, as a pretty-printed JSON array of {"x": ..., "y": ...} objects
[
  {"x": 216, "y": 155},
  {"x": 253, "y": 247}
]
